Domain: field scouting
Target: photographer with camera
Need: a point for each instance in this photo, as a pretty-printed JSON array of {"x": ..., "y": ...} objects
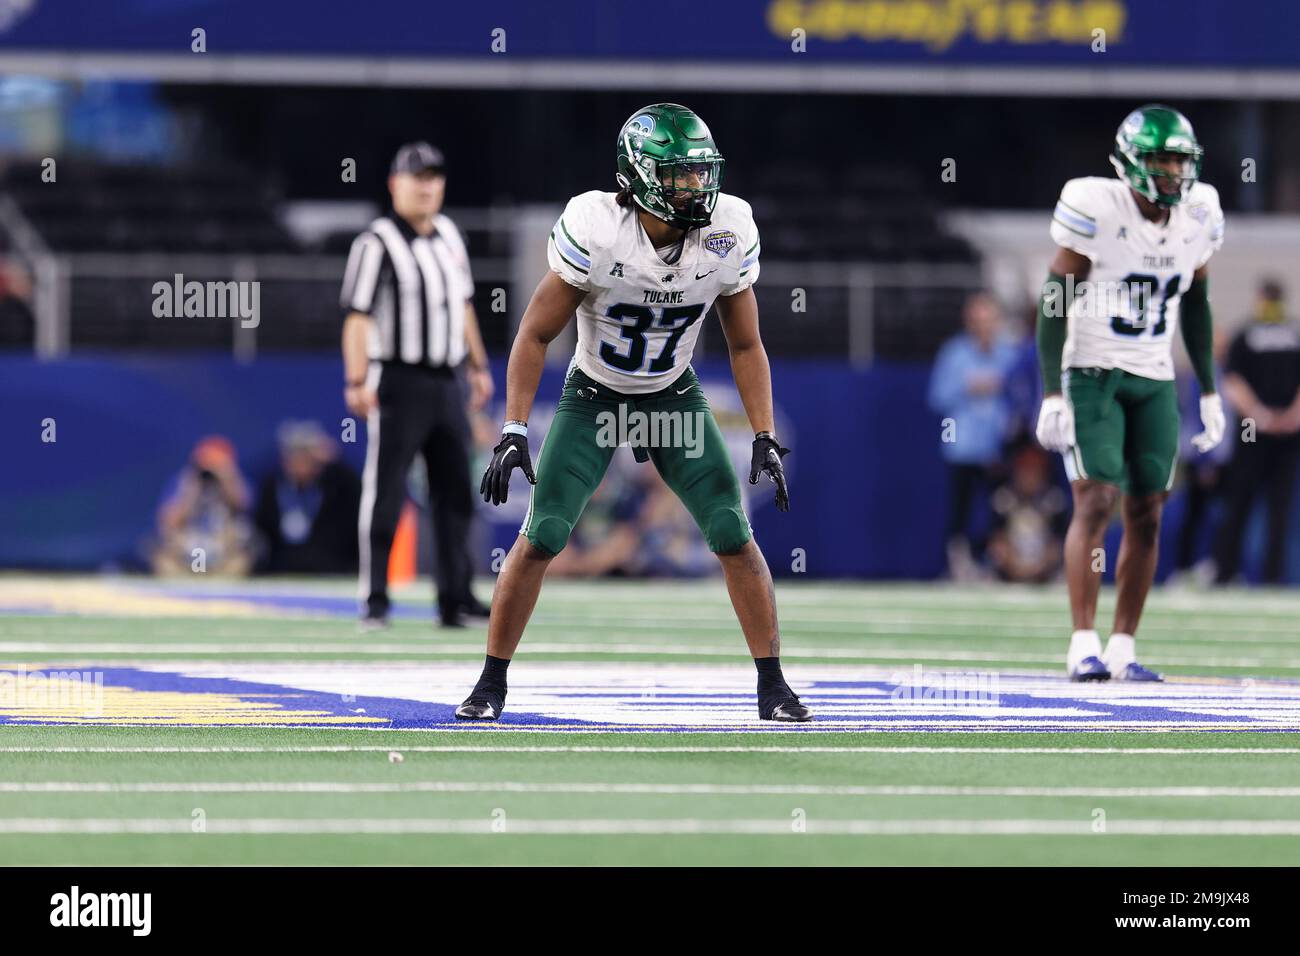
[{"x": 202, "y": 522}]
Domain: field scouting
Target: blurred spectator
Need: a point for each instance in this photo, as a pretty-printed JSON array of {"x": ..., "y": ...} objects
[
  {"x": 202, "y": 522},
  {"x": 17, "y": 323},
  {"x": 607, "y": 538},
  {"x": 634, "y": 526},
  {"x": 1030, "y": 518},
  {"x": 307, "y": 509},
  {"x": 1202, "y": 472},
  {"x": 1024, "y": 383},
  {"x": 967, "y": 387},
  {"x": 671, "y": 544},
  {"x": 1262, "y": 382}
]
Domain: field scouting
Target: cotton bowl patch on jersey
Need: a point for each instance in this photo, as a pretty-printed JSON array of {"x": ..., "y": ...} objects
[
  {"x": 636, "y": 697},
  {"x": 720, "y": 242}
]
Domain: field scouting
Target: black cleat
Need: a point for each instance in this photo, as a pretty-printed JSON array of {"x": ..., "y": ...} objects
[
  {"x": 483, "y": 703},
  {"x": 782, "y": 704},
  {"x": 454, "y": 613}
]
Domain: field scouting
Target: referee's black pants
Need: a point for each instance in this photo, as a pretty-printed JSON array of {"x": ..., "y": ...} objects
[
  {"x": 1266, "y": 465},
  {"x": 421, "y": 411}
]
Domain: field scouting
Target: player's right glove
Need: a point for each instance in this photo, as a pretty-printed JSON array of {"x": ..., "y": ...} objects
[
  {"x": 766, "y": 459},
  {"x": 511, "y": 453},
  {"x": 1213, "y": 421},
  {"x": 1055, "y": 429}
]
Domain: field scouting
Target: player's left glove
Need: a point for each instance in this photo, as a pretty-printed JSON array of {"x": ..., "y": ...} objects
[
  {"x": 767, "y": 458},
  {"x": 1055, "y": 429},
  {"x": 511, "y": 452},
  {"x": 1212, "y": 421}
]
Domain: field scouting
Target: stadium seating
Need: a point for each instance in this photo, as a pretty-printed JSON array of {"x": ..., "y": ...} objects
[{"x": 870, "y": 216}]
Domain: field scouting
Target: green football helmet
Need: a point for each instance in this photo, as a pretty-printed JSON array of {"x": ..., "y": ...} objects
[
  {"x": 668, "y": 161},
  {"x": 1147, "y": 134}
]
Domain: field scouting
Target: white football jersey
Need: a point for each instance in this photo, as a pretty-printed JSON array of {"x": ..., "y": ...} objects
[
  {"x": 1127, "y": 314},
  {"x": 638, "y": 324}
]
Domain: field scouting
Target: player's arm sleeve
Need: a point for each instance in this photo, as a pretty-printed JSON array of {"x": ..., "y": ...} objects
[
  {"x": 1074, "y": 220},
  {"x": 569, "y": 248},
  {"x": 1216, "y": 223},
  {"x": 1198, "y": 332},
  {"x": 361, "y": 277},
  {"x": 1051, "y": 330},
  {"x": 747, "y": 270}
]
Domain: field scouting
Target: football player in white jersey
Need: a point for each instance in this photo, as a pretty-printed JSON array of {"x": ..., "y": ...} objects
[
  {"x": 640, "y": 268},
  {"x": 1130, "y": 267}
]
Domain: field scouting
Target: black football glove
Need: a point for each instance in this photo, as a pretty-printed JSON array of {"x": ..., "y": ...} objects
[
  {"x": 511, "y": 453},
  {"x": 767, "y": 458}
]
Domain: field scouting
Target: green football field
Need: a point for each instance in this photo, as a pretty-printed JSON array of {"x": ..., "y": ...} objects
[{"x": 250, "y": 723}]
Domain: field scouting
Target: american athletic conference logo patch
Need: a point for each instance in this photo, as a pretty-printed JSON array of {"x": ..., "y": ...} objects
[{"x": 721, "y": 242}]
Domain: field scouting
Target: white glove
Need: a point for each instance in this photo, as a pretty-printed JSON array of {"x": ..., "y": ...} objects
[
  {"x": 1212, "y": 421},
  {"x": 1055, "y": 429}
]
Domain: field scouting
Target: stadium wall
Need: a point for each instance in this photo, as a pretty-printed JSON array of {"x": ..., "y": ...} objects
[
  {"x": 868, "y": 487},
  {"x": 865, "y": 472}
]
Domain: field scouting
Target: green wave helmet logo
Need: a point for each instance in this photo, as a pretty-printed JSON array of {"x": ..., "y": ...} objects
[{"x": 638, "y": 128}]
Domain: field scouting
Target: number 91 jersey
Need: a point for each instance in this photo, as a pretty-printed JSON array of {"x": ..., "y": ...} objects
[
  {"x": 1125, "y": 315},
  {"x": 638, "y": 324}
]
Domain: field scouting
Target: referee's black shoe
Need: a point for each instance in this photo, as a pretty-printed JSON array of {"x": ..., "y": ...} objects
[
  {"x": 485, "y": 702},
  {"x": 472, "y": 608},
  {"x": 454, "y": 614}
]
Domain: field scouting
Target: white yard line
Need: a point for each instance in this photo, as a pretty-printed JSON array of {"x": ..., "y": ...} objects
[
  {"x": 649, "y": 789},
  {"x": 630, "y": 749},
  {"x": 658, "y": 650},
  {"x": 986, "y": 623},
  {"x": 653, "y": 827}
]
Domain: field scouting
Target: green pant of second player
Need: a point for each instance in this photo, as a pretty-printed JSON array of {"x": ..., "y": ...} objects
[{"x": 1125, "y": 429}]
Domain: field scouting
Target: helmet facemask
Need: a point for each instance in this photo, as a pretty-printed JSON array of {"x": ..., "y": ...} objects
[
  {"x": 682, "y": 192},
  {"x": 689, "y": 188},
  {"x": 1144, "y": 171}
]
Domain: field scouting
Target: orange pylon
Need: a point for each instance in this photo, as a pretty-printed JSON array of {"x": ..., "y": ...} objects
[{"x": 401, "y": 559}]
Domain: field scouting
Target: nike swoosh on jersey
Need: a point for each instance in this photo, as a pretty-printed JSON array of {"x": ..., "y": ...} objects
[
  {"x": 683, "y": 391},
  {"x": 703, "y": 274}
]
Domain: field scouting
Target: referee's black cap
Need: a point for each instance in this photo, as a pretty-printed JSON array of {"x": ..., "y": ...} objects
[{"x": 418, "y": 158}]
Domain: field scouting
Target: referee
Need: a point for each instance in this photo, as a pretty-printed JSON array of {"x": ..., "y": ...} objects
[{"x": 407, "y": 295}]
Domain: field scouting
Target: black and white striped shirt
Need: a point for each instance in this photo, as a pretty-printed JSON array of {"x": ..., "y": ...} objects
[{"x": 414, "y": 287}]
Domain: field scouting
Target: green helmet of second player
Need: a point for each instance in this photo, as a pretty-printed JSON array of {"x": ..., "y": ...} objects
[{"x": 1147, "y": 135}]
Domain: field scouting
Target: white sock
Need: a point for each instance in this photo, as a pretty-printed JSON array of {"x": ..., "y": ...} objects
[
  {"x": 1082, "y": 644},
  {"x": 1120, "y": 652}
]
